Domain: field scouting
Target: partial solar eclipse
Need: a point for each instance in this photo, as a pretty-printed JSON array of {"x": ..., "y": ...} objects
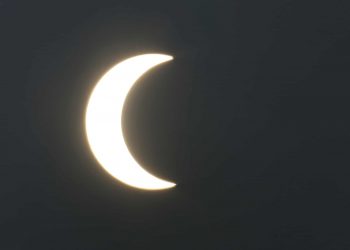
[{"x": 103, "y": 122}]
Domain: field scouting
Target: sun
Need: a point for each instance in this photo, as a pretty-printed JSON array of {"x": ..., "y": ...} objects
[{"x": 103, "y": 122}]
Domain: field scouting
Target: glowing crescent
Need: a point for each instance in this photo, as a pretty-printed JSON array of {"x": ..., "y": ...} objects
[{"x": 104, "y": 122}]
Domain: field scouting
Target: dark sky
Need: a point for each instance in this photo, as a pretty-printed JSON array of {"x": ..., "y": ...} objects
[{"x": 251, "y": 120}]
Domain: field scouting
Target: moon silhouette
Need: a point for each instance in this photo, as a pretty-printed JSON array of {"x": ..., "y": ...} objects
[{"x": 103, "y": 122}]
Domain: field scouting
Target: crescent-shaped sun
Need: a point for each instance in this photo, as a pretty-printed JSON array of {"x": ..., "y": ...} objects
[{"x": 103, "y": 122}]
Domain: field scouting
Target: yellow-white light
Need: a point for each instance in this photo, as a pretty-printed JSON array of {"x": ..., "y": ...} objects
[{"x": 104, "y": 122}]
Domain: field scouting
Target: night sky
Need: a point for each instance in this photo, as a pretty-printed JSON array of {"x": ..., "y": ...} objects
[{"x": 251, "y": 120}]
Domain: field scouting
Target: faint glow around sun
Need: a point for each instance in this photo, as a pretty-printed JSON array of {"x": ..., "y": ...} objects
[{"x": 103, "y": 122}]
